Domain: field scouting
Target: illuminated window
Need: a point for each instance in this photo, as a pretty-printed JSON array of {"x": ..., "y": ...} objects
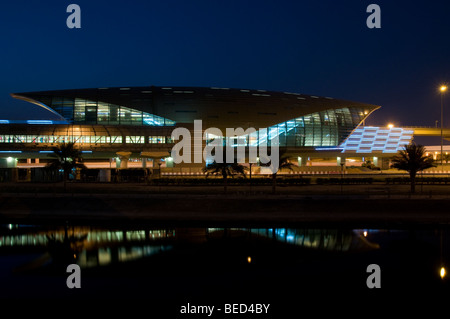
[
  {"x": 82, "y": 111},
  {"x": 135, "y": 139},
  {"x": 325, "y": 128},
  {"x": 103, "y": 113},
  {"x": 116, "y": 139},
  {"x": 157, "y": 139}
]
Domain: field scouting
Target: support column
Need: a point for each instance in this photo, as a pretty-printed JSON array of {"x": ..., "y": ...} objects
[
  {"x": 123, "y": 162},
  {"x": 375, "y": 161},
  {"x": 302, "y": 161},
  {"x": 169, "y": 162},
  {"x": 123, "y": 159},
  {"x": 385, "y": 163},
  {"x": 9, "y": 162},
  {"x": 340, "y": 161}
]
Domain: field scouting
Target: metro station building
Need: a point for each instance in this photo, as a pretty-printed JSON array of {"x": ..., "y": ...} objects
[{"x": 132, "y": 126}]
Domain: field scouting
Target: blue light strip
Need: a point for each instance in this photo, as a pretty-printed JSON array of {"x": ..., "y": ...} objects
[
  {"x": 10, "y": 152},
  {"x": 328, "y": 148},
  {"x": 39, "y": 122}
]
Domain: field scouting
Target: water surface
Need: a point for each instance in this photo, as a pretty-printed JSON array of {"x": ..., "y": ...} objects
[{"x": 210, "y": 265}]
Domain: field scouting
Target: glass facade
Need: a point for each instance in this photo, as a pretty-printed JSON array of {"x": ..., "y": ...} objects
[
  {"x": 325, "y": 128},
  {"x": 135, "y": 139},
  {"x": 81, "y": 111},
  {"x": 88, "y": 139},
  {"x": 159, "y": 139}
]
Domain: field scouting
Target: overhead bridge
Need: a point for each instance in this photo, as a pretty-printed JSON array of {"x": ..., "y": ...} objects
[{"x": 429, "y": 131}]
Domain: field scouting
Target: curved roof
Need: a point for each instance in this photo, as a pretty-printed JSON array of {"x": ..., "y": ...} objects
[{"x": 217, "y": 107}]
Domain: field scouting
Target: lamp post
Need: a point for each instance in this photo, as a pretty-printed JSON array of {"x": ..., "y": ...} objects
[
  {"x": 250, "y": 164},
  {"x": 443, "y": 88}
]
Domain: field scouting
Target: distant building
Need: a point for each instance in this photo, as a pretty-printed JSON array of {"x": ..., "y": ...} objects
[{"x": 132, "y": 126}]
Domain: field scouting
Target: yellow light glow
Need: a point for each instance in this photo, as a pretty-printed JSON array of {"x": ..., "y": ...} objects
[
  {"x": 249, "y": 259},
  {"x": 365, "y": 233},
  {"x": 442, "y": 272},
  {"x": 443, "y": 88},
  {"x": 390, "y": 125}
]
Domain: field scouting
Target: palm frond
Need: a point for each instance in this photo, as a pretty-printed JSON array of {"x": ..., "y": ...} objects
[
  {"x": 283, "y": 162},
  {"x": 225, "y": 169},
  {"x": 65, "y": 157},
  {"x": 412, "y": 159}
]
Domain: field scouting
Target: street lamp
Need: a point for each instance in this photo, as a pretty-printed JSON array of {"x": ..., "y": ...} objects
[{"x": 443, "y": 88}]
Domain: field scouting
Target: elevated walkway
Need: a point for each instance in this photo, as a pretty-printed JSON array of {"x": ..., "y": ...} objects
[{"x": 429, "y": 131}]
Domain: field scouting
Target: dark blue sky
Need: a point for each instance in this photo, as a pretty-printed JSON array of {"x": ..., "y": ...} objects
[{"x": 314, "y": 47}]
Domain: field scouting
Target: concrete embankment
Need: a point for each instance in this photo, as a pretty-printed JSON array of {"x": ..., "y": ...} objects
[{"x": 222, "y": 209}]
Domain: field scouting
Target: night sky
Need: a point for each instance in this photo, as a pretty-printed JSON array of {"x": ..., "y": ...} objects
[{"x": 320, "y": 48}]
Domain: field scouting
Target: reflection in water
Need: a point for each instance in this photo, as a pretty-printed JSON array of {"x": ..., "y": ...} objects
[
  {"x": 64, "y": 250},
  {"x": 89, "y": 238},
  {"x": 105, "y": 256},
  {"x": 192, "y": 258},
  {"x": 90, "y": 247},
  {"x": 322, "y": 239},
  {"x": 85, "y": 246}
]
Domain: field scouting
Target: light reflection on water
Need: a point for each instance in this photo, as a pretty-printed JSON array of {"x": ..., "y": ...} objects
[
  {"x": 85, "y": 246},
  {"x": 191, "y": 258},
  {"x": 323, "y": 239},
  {"x": 91, "y": 247}
]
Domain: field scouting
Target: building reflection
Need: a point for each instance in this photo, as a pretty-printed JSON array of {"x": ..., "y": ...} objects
[
  {"x": 91, "y": 247},
  {"x": 321, "y": 239},
  {"x": 86, "y": 246}
]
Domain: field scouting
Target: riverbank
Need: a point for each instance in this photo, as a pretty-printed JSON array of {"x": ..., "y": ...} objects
[
  {"x": 368, "y": 190},
  {"x": 88, "y": 203}
]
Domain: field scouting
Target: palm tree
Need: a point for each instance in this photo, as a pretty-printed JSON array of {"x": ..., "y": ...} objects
[
  {"x": 65, "y": 157},
  {"x": 283, "y": 163},
  {"x": 446, "y": 158},
  {"x": 412, "y": 159},
  {"x": 225, "y": 169}
]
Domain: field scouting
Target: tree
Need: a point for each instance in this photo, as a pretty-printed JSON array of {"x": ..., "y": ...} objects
[
  {"x": 65, "y": 157},
  {"x": 445, "y": 157},
  {"x": 225, "y": 169},
  {"x": 283, "y": 163},
  {"x": 412, "y": 159},
  {"x": 368, "y": 164}
]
